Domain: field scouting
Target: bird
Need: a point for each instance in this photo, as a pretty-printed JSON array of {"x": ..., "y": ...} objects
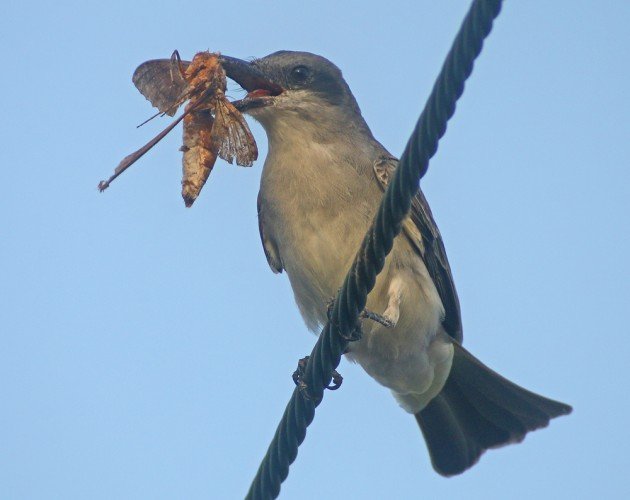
[{"x": 321, "y": 184}]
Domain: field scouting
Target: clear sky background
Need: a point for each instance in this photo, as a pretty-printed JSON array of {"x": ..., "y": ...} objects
[{"x": 146, "y": 349}]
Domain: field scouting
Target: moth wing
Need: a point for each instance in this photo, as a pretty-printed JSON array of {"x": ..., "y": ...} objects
[
  {"x": 234, "y": 139},
  {"x": 161, "y": 82}
]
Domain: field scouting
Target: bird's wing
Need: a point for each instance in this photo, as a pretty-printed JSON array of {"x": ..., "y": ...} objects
[
  {"x": 422, "y": 231},
  {"x": 271, "y": 251}
]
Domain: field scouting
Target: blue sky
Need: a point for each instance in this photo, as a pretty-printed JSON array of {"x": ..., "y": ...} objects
[{"x": 147, "y": 349}]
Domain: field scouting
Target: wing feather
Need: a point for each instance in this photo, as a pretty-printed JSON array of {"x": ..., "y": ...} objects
[{"x": 271, "y": 251}]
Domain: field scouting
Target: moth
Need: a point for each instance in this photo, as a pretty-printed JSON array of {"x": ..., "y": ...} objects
[{"x": 212, "y": 125}]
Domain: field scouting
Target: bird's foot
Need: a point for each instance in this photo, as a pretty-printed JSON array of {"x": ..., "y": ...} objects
[
  {"x": 353, "y": 335},
  {"x": 298, "y": 378}
]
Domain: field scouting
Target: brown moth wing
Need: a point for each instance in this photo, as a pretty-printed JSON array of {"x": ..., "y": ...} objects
[
  {"x": 161, "y": 83},
  {"x": 232, "y": 135},
  {"x": 199, "y": 154}
]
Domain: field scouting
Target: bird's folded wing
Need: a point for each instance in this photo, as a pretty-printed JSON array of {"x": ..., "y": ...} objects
[
  {"x": 271, "y": 251},
  {"x": 422, "y": 231}
]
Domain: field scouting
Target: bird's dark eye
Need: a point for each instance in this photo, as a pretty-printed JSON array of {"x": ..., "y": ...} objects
[{"x": 300, "y": 74}]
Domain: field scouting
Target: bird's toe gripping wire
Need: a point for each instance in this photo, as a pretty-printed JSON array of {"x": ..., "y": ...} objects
[{"x": 298, "y": 378}]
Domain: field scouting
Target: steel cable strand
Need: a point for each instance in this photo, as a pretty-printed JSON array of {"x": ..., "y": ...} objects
[{"x": 377, "y": 243}]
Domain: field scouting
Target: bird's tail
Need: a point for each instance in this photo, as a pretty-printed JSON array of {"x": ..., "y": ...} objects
[{"x": 479, "y": 409}]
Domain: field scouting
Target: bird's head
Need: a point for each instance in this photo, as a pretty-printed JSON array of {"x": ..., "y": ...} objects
[{"x": 294, "y": 90}]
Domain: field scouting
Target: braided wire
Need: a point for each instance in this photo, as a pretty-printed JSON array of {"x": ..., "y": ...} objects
[{"x": 375, "y": 247}]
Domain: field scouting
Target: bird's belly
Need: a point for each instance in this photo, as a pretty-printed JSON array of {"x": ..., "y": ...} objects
[{"x": 316, "y": 262}]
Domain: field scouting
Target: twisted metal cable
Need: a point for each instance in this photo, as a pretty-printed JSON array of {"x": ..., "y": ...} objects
[{"x": 375, "y": 247}]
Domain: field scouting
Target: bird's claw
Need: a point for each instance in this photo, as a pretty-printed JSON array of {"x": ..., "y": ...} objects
[
  {"x": 356, "y": 332},
  {"x": 337, "y": 380}
]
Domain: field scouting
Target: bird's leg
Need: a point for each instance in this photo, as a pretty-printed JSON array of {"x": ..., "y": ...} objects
[
  {"x": 388, "y": 321},
  {"x": 382, "y": 319}
]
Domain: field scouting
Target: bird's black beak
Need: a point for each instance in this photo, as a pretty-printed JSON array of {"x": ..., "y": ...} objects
[{"x": 260, "y": 89}]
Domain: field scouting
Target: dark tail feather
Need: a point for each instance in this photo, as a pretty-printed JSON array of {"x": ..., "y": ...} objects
[{"x": 479, "y": 409}]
